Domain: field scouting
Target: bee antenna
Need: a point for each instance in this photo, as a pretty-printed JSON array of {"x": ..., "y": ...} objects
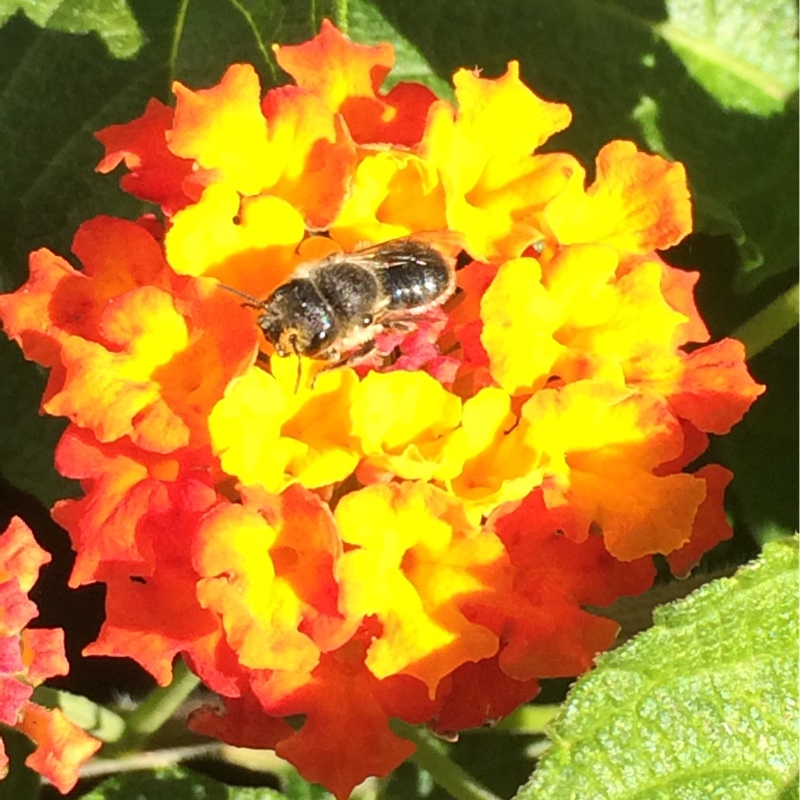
[
  {"x": 251, "y": 301},
  {"x": 293, "y": 344},
  {"x": 299, "y": 375}
]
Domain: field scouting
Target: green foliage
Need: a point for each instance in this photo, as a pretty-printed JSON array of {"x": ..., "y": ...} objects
[
  {"x": 742, "y": 53},
  {"x": 112, "y": 20},
  {"x": 21, "y": 782},
  {"x": 703, "y": 705},
  {"x": 27, "y": 438},
  {"x": 295, "y": 788},
  {"x": 175, "y": 783}
]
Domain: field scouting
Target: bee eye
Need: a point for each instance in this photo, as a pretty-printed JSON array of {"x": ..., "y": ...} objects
[
  {"x": 367, "y": 320},
  {"x": 318, "y": 339}
]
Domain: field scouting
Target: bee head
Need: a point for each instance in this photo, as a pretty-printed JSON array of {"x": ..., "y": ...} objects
[
  {"x": 296, "y": 321},
  {"x": 273, "y": 325}
]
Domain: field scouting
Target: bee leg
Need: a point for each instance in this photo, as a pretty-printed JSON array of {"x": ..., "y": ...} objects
[
  {"x": 364, "y": 350},
  {"x": 299, "y": 375},
  {"x": 336, "y": 361},
  {"x": 400, "y": 325}
]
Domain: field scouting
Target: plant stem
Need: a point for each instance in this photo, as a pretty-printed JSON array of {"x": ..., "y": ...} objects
[
  {"x": 158, "y": 707},
  {"x": 431, "y": 757},
  {"x": 177, "y": 33},
  {"x": 152, "y": 759},
  {"x": 769, "y": 324},
  {"x": 529, "y": 719}
]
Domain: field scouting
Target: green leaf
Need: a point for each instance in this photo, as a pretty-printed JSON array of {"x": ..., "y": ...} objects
[
  {"x": 297, "y": 788},
  {"x": 112, "y": 20},
  {"x": 21, "y": 780},
  {"x": 703, "y": 705},
  {"x": 369, "y": 25},
  {"x": 27, "y": 439},
  {"x": 175, "y": 783},
  {"x": 762, "y": 449},
  {"x": 742, "y": 53}
]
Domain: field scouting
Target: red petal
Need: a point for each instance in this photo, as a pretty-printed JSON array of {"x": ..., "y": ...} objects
[
  {"x": 716, "y": 389},
  {"x": 482, "y": 693},
  {"x": 155, "y": 173},
  {"x": 710, "y": 525}
]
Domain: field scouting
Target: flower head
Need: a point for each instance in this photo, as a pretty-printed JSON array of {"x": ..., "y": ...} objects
[
  {"x": 28, "y": 656},
  {"x": 423, "y": 522}
]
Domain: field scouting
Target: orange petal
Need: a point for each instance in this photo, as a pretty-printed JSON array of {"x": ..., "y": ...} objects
[
  {"x": 715, "y": 389},
  {"x": 306, "y": 554},
  {"x": 519, "y": 322},
  {"x": 123, "y": 485},
  {"x": 393, "y": 193},
  {"x": 260, "y": 608},
  {"x": 710, "y": 525},
  {"x": 601, "y": 448},
  {"x": 147, "y": 331},
  {"x": 408, "y": 424},
  {"x": 347, "y": 76},
  {"x": 314, "y": 150},
  {"x": 637, "y": 203},
  {"x": 61, "y": 746},
  {"x": 154, "y": 618},
  {"x": 20, "y": 555},
  {"x": 495, "y": 188},
  {"x": 341, "y": 742},
  {"x": 639, "y": 513},
  {"x": 267, "y": 435},
  {"x": 548, "y": 633},
  {"x": 335, "y": 68},
  {"x": 223, "y": 129},
  {"x": 43, "y": 654},
  {"x": 417, "y": 562},
  {"x": 152, "y": 610},
  {"x": 122, "y": 327},
  {"x": 58, "y": 301}
]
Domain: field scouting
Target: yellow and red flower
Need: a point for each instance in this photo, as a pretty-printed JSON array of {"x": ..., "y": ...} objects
[
  {"x": 28, "y": 656},
  {"x": 417, "y": 539}
]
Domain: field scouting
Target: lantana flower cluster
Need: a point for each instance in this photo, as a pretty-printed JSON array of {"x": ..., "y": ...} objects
[
  {"x": 419, "y": 536},
  {"x": 28, "y": 656}
]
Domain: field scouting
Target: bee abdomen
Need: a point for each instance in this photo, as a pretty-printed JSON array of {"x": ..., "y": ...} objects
[
  {"x": 416, "y": 284},
  {"x": 350, "y": 291}
]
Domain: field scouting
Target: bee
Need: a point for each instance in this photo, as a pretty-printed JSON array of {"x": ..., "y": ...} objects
[{"x": 333, "y": 309}]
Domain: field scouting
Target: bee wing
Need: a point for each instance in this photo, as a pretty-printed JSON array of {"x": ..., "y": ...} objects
[
  {"x": 406, "y": 249},
  {"x": 447, "y": 242}
]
